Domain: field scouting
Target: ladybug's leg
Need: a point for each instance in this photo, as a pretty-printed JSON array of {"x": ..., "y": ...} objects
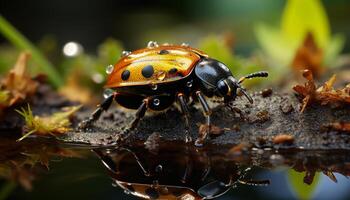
[
  {"x": 186, "y": 114},
  {"x": 207, "y": 112},
  {"x": 141, "y": 111},
  {"x": 97, "y": 113}
]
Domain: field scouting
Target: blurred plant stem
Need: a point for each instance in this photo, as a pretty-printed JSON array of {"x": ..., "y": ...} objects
[
  {"x": 17, "y": 39},
  {"x": 7, "y": 189}
]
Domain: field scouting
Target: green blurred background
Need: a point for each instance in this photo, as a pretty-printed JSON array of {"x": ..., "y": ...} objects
[
  {"x": 131, "y": 24},
  {"x": 135, "y": 22}
]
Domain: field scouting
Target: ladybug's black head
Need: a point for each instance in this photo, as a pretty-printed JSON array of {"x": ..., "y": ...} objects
[{"x": 216, "y": 79}]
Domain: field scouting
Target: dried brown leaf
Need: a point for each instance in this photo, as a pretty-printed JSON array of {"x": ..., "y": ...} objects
[
  {"x": 309, "y": 56},
  {"x": 323, "y": 95},
  {"x": 339, "y": 126},
  {"x": 283, "y": 139},
  {"x": 238, "y": 149},
  {"x": 214, "y": 130},
  {"x": 18, "y": 83},
  {"x": 73, "y": 91}
]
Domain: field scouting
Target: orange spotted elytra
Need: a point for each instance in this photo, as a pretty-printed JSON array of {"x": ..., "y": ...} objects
[{"x": 155, "y": 77}]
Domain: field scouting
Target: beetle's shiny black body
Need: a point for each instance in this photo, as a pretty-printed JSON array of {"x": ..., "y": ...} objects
[{"x": 158, "y": 87}]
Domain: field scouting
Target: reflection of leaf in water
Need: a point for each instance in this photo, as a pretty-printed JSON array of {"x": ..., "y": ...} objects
[
  {"x": 22, "y": 162},
  {"x": 297, "y": 185},
  {"x": 7, "y": 189}
]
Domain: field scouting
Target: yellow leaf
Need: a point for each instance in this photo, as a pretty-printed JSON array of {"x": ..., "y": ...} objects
[
  {"x": 301, "y": 17},
  {"x": 55, "y": 124}
]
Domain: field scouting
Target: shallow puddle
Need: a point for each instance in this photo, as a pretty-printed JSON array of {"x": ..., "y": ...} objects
[{"x": 41, "y": 169}]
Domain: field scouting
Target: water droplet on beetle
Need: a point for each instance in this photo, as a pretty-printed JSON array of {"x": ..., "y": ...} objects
[
  {"x": 189, "y": 83},
  {"x": 107, "y": 93},
  {"x": 156, "y": 102},
  {"x": 147, "y": 174},
  {"x": 127, "y": 192},
  {"x": 152, "y": 44},
  {"x": 159, "y": 168},
  {"x": 161, "y": 75},
  {"x": 166, "y": 44},
  {"x": 185, "y": 44},
  {"x": 154, "y": 86},
  {"x": 126, "y": 53},
  {"x": 188, "y": 138},
  {"x": 109, "y": 69}
]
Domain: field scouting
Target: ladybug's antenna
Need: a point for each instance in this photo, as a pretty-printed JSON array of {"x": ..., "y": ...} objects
[
  {"x": 253, "y": 75},
  {"x": 250, "y": 99}
]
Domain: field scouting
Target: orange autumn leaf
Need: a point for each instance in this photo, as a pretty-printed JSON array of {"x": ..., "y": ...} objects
[
  {"x": 308, "y": 56},
  {"x": 214, "y": 130},
  {"x": 73, "y": 91},
  {"x": 339, "y": 126},
  {"x": 323, "y": 95},
  {"x": 18, "y": 84},
  {"x": 239, "y": 148},
  {"x": 283, "y": 139}
]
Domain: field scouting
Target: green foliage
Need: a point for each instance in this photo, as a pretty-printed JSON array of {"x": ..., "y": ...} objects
[
  {"x": 56, "y": 124},
  {"x": 4, "y": 97},
  {"x": 87, "y": 66},
  {"x": 299, "y": 17},
  {"x": 17, "y": 39},
  {"x": 6, "y": 189},
  {"x": 334, "y": 48},
  {"x": 300, "y": 189},
  {"x": 215, "y": 47},
  {"x": 109, "y": 51}
]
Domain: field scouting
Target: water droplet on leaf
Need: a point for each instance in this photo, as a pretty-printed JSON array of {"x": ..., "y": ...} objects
[{"x": 189, "y": 83}]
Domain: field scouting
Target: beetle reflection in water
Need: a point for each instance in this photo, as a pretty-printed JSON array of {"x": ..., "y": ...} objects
[
  {"x": 155, "y": 77},
  {"x": 173, "y": 172}
]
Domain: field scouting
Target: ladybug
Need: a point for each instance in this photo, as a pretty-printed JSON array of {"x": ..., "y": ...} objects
[
  {"x": 168, "y": 174},
  {"x": 155, "y": 77}
]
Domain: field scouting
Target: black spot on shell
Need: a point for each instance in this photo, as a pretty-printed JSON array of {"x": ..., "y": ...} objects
[
  {"x": 125, "y": 75},
  {"x": 163, "y": 52},
  {"x": 172, "y": 71},
  {"x": 147, "y": 71},
  {"x": 152, "y": 193}
]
